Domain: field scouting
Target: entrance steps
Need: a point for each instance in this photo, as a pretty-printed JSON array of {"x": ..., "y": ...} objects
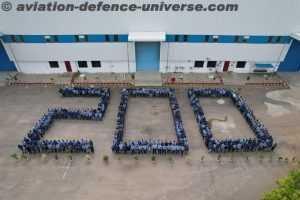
[{"x": 148, "y": 78}]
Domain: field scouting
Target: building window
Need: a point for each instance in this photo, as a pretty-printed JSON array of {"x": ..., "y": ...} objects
[
  {"x": 199, "y": 63},
  {"x": 47, "y": 38},
  {"x": 116, "y": 38},
  {"x": 106, "y": 38},
  {"x": 96, "y": 63},
  {"x": 279, "y": 39},
  {"x": 236, "y": 39},
  {"x": 270, "y": 39},
  {"x": 206, "y": 38},
  {"x": 211, "y": 64},
  {"x": 176, "y": 38},
  {"x": 215, "y": 39},
  {"x": 246, "y": 39},
  {"x": 53, "y": 64},
  {"x": 241, "y": 64},
  {"x": 12, "y": 38},
  {"x": 56, "y": 38},
  {"x": 185, "y": 38},
  {"x": 82, "y": 64}
]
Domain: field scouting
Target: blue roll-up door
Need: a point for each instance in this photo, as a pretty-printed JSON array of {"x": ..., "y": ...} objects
[
  {"x": 5, "y": 63},
  {"x": 291, "y": 62},
  {"x": 147, "y": 56}
]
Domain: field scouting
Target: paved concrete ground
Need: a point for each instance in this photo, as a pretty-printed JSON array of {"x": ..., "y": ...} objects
[
  {"x": 64, "y": 78},
  {"x": 148, "y": 78},
  {"x": 231, "y": 78},
  {"x": 21, "y": 107},
  {"x": 190, "y": 78},
  {"x": 103, "y": 77}
]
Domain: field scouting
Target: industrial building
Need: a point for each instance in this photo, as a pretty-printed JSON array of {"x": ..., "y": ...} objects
[{"x": 239, "y": 36}]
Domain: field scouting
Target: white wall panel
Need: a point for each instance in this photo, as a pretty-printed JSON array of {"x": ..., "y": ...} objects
[
  {"x": 223, "y": 52},
  {"x": 106, "y": 67},
  {"x": 72, "y": 51},
  {"x": 254, "y": 17}
]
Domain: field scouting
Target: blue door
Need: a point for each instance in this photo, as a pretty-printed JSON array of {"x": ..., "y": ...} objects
[
  {"x": 5, "y": 63},
  {"x": 291, "y": 62},
  {"x": 147, "y": 56}
]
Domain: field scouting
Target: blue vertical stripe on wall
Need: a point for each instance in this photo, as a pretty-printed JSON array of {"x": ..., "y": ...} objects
[
  {"x": 52, "y": 38},
  {"x": 34, "y": 38},
  {"x": 18, "y": 39},
  {"x": 291, "y": 62},
  {"x": 5, "y": 63},
  {"x": 111, "y": 38},
  {"x": 6, "y": 38},
  {"x": 226, "y": 39},
  {"x": 286, "y": 39},
  {"x": 66, "y": 38},
  {"x": 181, "y": 38},
  {"x": 81, "y": 39},
  {"x": 195, "y": 38},
  {"x": 170, "y": 38},
  {"x": 258, "y": 39},
  {"x": 274, "y": 40},
  {"x": 241, "y": 39},
  {"x": 96, "y": 38},
  {"x": 123, "y": 38}
]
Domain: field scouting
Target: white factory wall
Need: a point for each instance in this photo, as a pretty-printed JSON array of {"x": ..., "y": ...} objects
[
  {"x": 71, "y": 51},
  {"x": 120, "y": 57},
  {"x": 181, "y": 57},
  {"x": 255, "y": 17},
  {"x": 34, "y": 58},
  {"x": 44, "y": 67}
]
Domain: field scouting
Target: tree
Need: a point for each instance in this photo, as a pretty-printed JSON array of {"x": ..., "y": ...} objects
[{"x": 287, "y": 188}]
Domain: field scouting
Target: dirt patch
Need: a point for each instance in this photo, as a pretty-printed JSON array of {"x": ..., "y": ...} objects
[
  {"x": 276, "y": 110},
  {"x": 291, "y": 96}
]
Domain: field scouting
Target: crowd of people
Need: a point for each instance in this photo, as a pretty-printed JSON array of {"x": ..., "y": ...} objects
[
  {"x": 56, "y": 146},
  {"x": 263, "y": 140},
  {"x": 149, "y": 146},
  {"x": 33, "y": 143}
]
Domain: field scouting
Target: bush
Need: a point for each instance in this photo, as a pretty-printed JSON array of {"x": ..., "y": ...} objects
[
  {"x": 87, "y": 157},
  {"x": 105, "y": 158},
  {"x": 153, "y": 158},
  {"x": 136, "y": 158},
  {"x": 70, "y": 157},
  {"x": 287, "y": 188},
  {"x": 14, "y": 156},
  {"x": 170, "y": 159}
]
